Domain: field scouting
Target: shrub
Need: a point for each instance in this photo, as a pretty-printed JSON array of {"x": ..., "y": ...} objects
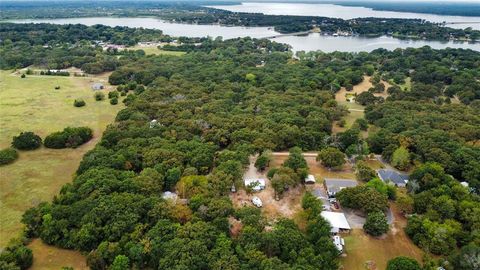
[
  {"x": 7, "y": 156},
  {"x": 57, "y": 87},
  {"x": 27, "y": 141},
  {"x": 79, "y": 103},
  {"x": 23, "y": 76},
  {"x": 403, "y": 263},
  {"x": 99, "y": 96},
  {"x": 131, "y": 85},
  {"x": 113, "y": 94},
  {"x": 16, "y": 256},
  {"x": 69, "y": 137},
  {"x": 114, "y": 101},
  {"x": 376, "y": 223}
]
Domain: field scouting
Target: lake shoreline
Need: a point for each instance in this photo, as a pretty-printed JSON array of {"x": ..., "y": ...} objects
[{"x": 310, "y": 42}]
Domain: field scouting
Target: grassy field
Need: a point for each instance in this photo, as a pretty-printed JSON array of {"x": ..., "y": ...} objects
[
  {"x": 366, "y": 252},
  {"x": 33, "y": 104},
  {"x": 156, "y": 51}
]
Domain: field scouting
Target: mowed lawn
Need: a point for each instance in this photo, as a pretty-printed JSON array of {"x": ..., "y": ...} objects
[
  {"x": 367, "y": 252},
  {"x": 32, "y": 104}
]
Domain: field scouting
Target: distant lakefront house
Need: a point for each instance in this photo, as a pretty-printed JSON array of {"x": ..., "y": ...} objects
[
  {"x": 97, "y": 86},
  {"x": 398, "y": 179},
  {"x": 334, "y": 185}
]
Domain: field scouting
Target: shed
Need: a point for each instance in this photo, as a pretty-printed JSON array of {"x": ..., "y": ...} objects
[
  {"x": 167, "y": 195},
  {"x": 398, "y": 179},
  {"x": 310, "y": 179},
  {"x": 334, "y": 185},
  {"x": 97, "y": 86},
  {"x": 338, "y": 221},
  {"x": 256, "y": 184}
]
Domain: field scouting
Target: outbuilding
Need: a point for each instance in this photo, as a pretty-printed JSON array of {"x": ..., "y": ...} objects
[
  {"x": 97, "y": 86},
  {"x": 338, "y": 221},
  {"x": 310, "y": 179},
  {"x": 255, "y": 184},
  {"x": 334, "y": 185},
  {"x": 392, "y": 176}
]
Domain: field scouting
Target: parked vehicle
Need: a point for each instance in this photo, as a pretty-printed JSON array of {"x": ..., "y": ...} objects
[{"x": 257, "y": 202}]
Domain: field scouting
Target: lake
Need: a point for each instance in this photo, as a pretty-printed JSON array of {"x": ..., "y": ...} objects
[
  {"x": 311, "y": 42},
  {"x": 346, "y": 13}
]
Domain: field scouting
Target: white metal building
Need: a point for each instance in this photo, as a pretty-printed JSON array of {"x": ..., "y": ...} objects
[{"x": 338, "y": 221}]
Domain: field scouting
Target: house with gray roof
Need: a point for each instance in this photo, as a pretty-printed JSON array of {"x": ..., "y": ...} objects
[
  {"x": 394, "y": 177},
  {"x": 334, "y": 185}
]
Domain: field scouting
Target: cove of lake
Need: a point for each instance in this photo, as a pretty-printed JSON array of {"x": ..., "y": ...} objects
[
  {"x": 347, "y": 12},
  {"x": 311, "y": 42}
]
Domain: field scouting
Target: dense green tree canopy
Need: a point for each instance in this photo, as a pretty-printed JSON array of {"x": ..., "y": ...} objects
[{"x": 224, "y": 101}]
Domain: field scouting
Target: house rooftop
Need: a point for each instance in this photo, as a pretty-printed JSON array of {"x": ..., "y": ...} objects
[
  {"x": 394, "y": 176},
  {"x": 334, "y": 185},
  {"x": 336, "y": 220}
]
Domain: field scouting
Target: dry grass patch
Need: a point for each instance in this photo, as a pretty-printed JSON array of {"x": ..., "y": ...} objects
[
  {"x": 49, "y": 257},
  {"x": 363, "y": 250}
]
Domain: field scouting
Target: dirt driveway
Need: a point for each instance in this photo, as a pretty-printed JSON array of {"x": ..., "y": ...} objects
[{"x": 287, "y": 206}]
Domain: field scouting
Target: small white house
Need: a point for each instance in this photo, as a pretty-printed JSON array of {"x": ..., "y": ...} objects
[
  {"x": 255, "y": 184},
  {"x": 310, "y": 179}
]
